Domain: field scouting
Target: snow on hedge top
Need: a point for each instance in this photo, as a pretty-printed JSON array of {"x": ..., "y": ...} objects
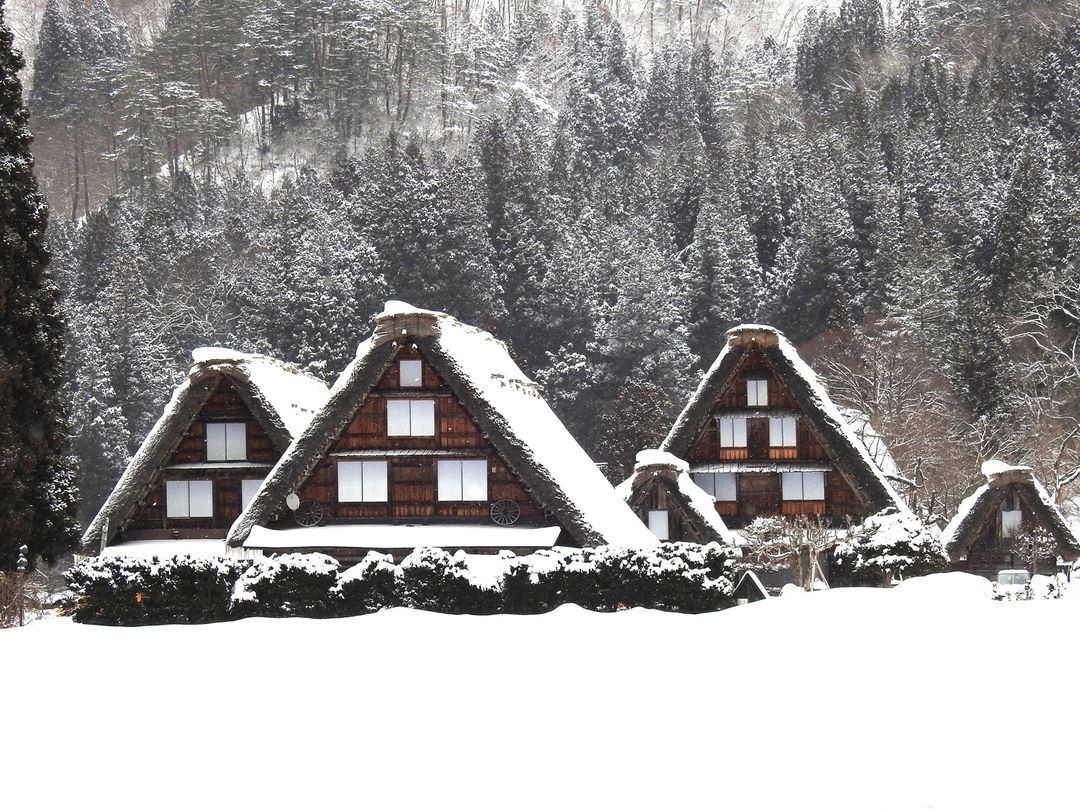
[{"x": 295, "y": 396}]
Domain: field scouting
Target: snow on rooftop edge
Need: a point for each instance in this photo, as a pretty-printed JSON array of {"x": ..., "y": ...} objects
[
  {"x": 659, "y": 458},
  {"x": 295, "y": 395}
]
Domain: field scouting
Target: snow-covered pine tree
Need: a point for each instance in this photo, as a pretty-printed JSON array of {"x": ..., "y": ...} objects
[{"x": 37, "y": 481}]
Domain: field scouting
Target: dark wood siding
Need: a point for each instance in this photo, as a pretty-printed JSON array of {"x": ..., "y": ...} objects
[
  {"x": 412, "y": 475},
  {"x": 224, "y": 404},
  {"x": 759, "y": 492}
]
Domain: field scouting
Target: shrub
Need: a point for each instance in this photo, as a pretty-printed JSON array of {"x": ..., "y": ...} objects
[
  {"x": 370, "y": 585},
  {"x": 432, "y": 579},
  {"x": 289, "y": 585},
  {"x": 129, "y": 591},
  {"x": 136, "y": 591}
]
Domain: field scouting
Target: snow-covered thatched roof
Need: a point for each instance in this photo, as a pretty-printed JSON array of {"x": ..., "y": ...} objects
[
  {"x": 504, "y": 403},
  {"x": 851, "y": 456},
  {"x": 281, "y": 397},
  {"x": 658, "y": 468},
  {"x": 977, "y": 510}
]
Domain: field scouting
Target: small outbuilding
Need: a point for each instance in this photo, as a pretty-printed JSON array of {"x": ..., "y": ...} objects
[
  {"x": 666, "y": 499},
  {"x": 1000, "y": 524}
]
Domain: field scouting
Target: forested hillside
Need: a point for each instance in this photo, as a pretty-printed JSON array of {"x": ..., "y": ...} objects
[{"x": 607, "y": 188}]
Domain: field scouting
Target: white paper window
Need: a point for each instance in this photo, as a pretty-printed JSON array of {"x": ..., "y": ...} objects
[
  {"x": 189, "y": 499},
  {"x": 658, "y": 523},
  {"x": 722, "y": 486},
  {"x": 362, "y": 481},
  {"x": 803, "y": 486},
  {"x": 732, "y": 431},
  {"x": 1011, "y": 522},
  {"x": 725, "y": 487},
  {"x": 782, "y": 431},
  {"x": 248, "y": 488},
  {"x": 226, "y": 441},
  {"x": 757, "y": 393},
  {"x": 463, "y": 480},
  {"x": 411, "y": 373},
  {"x": 410, "y": 417}
]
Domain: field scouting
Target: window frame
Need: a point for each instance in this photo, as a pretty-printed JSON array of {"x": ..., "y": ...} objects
[
  {"x": 784, "y": 423},
  {"x": 712, "y": 488},
  {"x": 230, "y": 432},
  {"x": 655, "y": 513},
  {"x": 245, "y": 502},
  {"x": 186, "y": 483},
  {"x": 419, "y": 377},
  {"x": 410, "y": 404},
  {"x": 444, "y": 493},
  {"x": 727, "y": 441},
  {"x": 754, "y": 387},
  {"x": 363, "y": 468},
  {"x": 784, "y": 478}
]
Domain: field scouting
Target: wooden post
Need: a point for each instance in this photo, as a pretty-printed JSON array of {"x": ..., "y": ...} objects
[{"x": 20, "y": 582}]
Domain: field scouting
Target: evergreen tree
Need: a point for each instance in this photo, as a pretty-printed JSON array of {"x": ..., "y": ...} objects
[{"x": 37, "y": 496}]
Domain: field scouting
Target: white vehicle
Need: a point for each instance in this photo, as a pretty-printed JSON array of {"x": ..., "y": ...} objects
[{"x": 1013, "y": 584}]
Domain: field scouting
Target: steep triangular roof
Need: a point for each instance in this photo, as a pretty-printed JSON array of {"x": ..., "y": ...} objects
[
  {"x": 281, "y": 397},
  {"x": 504, "y": 403},
  {"x": 979, "y": 508},
  {"x": 655, "y": 467},
  {"x": 840, "y": 441}
]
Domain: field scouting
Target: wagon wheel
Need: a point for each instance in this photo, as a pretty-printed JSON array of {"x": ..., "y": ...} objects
[
  {"x": 505, "y": 513},
  {"x": 308, "y": 513}
]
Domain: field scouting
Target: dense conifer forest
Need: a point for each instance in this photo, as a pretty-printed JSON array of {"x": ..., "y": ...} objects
[{"x": 606, "y": 186}]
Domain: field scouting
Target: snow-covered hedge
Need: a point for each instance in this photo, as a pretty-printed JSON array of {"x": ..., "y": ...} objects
[
  {"x": 132, "y": 591},
  {"x": 680, "y": 577}
]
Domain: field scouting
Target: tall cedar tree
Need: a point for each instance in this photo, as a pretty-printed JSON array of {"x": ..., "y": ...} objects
[{"x": 37, "y": 500}]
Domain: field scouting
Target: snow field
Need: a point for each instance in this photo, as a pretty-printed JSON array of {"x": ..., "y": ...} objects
[{"x": 933, "y": 698}]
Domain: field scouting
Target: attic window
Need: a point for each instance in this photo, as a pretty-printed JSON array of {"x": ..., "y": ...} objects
[
  {"x": 658, "y": 523},
  {"x": 803, "y": 486},
  {"x": 757, "y": 393},
  {"x": 1012, "y": 520},
  {"x": 410, "y": 417},
  {"x": 189, "y": 499},
  {"x": 226, "y": 441},
  {"x": 732, "y": 431},
  {"x": 411, "y": 374}
]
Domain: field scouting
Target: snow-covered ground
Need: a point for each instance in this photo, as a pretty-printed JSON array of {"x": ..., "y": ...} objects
[{"x": 926, "y": 696}]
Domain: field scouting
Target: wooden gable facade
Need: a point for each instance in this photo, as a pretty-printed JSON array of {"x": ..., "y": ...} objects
[
  {"x": 763, "y": 440},
  {"x": 440, "y": 468},
  {"x": 994, "y": 528},
  {"x": 222, "y": 431},
  {"x": 215, "y": 485},
  {"x": 434, "y": 436}
]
